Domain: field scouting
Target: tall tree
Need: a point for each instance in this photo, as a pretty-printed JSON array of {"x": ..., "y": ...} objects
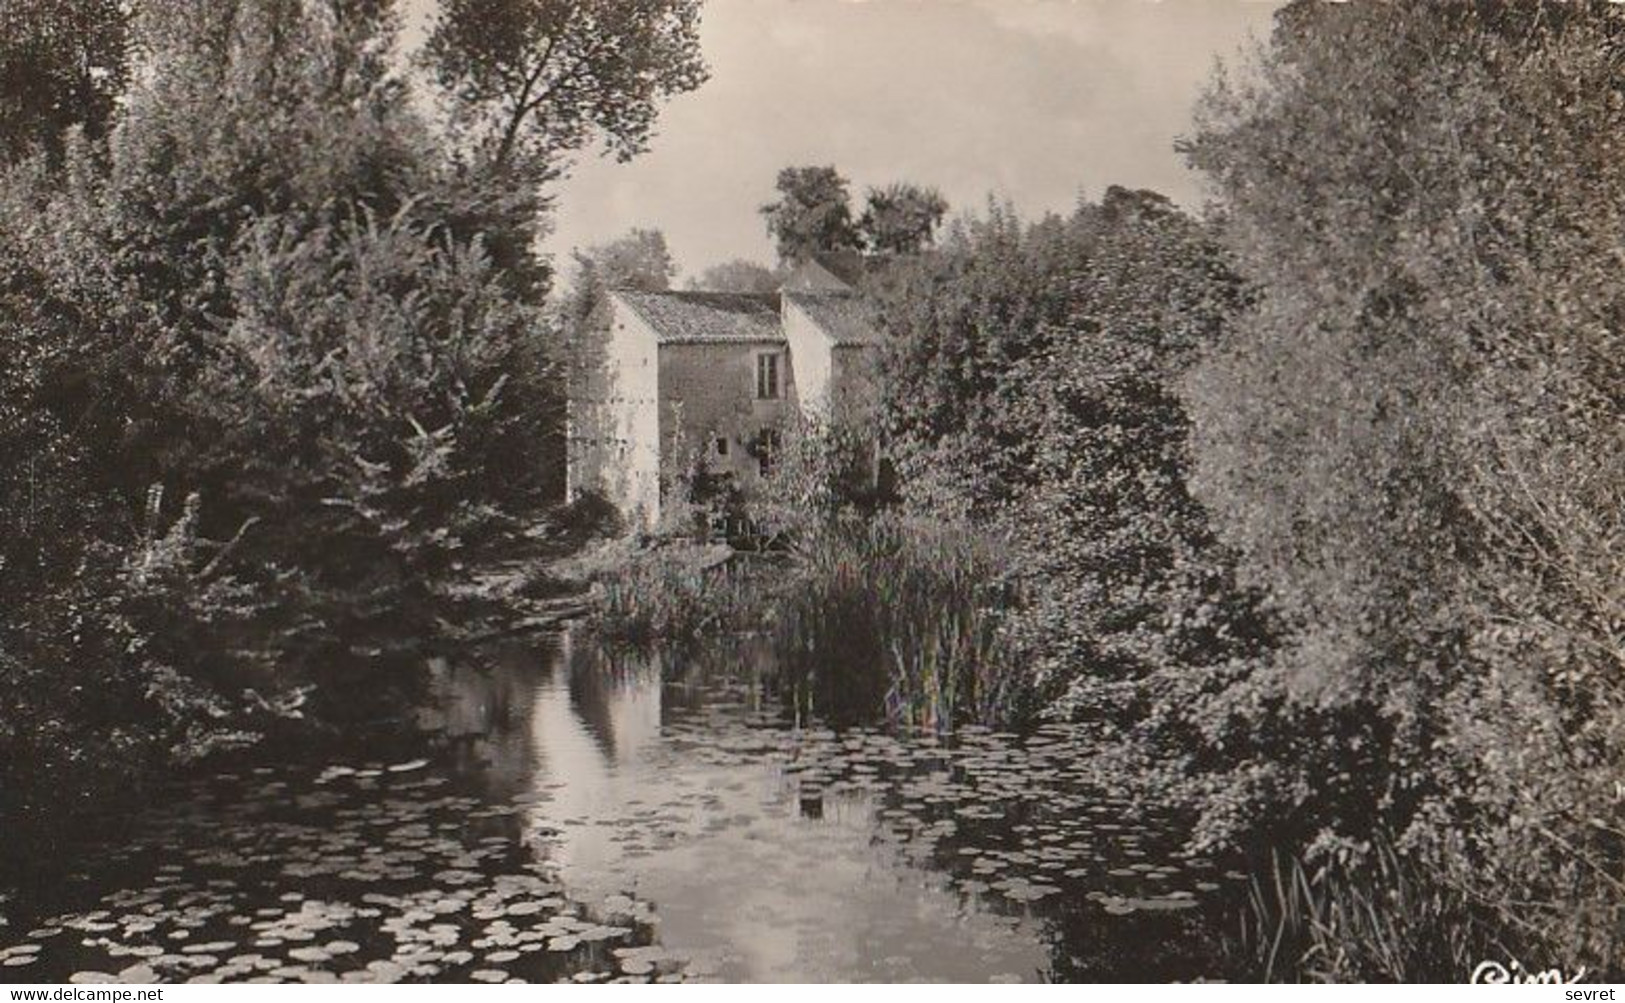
[
  {"x": 813, "y": 214},
  {"x": 901, "y": 218},
  {"x": 62, "y": 63},
  {"x": 960, "y": 321},
  {"x": 534, "y": 80},
  {"x": 269, "y": 381},
  {"x": 737, "y": 276},
  {"x": 1414, "y": 438},
  {"x": 639, "y": 259}
]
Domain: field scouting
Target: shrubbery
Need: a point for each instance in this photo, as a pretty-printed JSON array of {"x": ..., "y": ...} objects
[
  {"x": 1412, "y": 439},
  {"x": 274, "y": 386},
  {"x": 1320, "y": 501}
]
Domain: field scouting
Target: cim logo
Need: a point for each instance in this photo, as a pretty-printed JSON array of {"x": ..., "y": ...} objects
[{"x": 1493, "y": 973}]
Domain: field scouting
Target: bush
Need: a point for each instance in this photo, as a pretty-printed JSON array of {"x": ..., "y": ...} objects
[
  {"x": 270, "y": 389},
  {"x": 827, "y": 468},
  {"x": 1411, "y": 439},
  {"x": 959, "y": 320}
]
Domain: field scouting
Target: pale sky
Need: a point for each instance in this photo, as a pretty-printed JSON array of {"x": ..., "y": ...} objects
[{"x": 1036, "y": 100}]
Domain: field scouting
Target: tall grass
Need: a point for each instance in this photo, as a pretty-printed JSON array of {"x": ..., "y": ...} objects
[
  {"x": 1387, "y": 919},
  {"x": 669, "y": 596},
  {"x": 897, "y": 616},
  {"x": 870, "y": 618}
]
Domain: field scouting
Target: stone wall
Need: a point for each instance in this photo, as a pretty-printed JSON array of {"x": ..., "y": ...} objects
[
  {"x": 707, "y": 393},
  {"x": 616, "y": 453}
]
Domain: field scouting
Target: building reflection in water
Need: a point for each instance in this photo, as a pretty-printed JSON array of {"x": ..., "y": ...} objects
[
  {"x": 650, "y": 775},
  {"x": 666, "y": 779}
]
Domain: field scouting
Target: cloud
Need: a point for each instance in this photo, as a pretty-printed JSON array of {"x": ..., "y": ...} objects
[{"x": 1037, "y": 100}]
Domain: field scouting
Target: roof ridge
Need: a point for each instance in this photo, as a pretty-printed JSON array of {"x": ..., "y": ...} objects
[{"x": 699, "y": 316}]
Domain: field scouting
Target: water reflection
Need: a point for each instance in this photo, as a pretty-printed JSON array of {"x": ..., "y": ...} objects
[
  {"x": 587, "y": 817},
  {"x": 797, "y": 853}
]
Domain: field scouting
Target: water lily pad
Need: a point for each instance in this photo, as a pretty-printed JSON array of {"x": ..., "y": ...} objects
[{"x": 138, "y": 973}]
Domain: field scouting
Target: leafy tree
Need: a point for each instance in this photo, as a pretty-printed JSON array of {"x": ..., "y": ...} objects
[
  {"x": 959, "y": 321},
  {"x": 272, "y": 390},
  {"x": 63, "y": 63},
  {"x": 534, "y": 80},
  {"x": 737, "y": 276},
  {"x": 1413, "y": 438},
  {"x": 1136, "y": 622},
  {"x": 639, "y": 260},
  {"x": 1120, "y": 544},
  {"x": 901, "y": 218},
  {"x": 813, "y": 214}
]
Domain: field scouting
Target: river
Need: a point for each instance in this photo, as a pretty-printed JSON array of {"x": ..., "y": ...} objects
[{"x": 587, "y": 817}]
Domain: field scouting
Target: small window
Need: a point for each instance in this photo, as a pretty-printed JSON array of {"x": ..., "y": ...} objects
[
  {"x": 722, "y": 445},
  {"x": 767, "y": 376}
]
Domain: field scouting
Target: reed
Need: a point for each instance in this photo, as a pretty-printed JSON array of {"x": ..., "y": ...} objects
[
  {"x": 1384, "y": 919},
  {"x": 900, "y": 617},
  {"x": 668, "y": 597}
]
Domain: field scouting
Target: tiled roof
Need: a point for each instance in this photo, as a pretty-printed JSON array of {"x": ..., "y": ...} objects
[
  {"x": 702, "y": 317},
  {"x": 842, "y": 316}
]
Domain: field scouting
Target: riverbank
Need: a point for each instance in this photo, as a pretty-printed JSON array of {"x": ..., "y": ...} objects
[
  {"x": 886, "y": 617},
  {"x": 295, "y": 709},
  {"x": 850, "y": 610}
]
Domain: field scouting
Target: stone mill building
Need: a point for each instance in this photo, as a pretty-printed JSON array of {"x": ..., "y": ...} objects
[{"x": 722, "y": 373}]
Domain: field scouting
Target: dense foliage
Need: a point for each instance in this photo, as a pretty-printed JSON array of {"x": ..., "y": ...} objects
[
  {"x": 275, "y": 397},
  {"x": 1032, "y": 389},
  {"x": 812, "y": 215},
  {"x": 63, "y": 63},
  {"x": 1414, "y": 438},
  {"x": 813, "y": 218},
  {"x": 1320, "y": 500},
  {"x": 968, "y": 323}
]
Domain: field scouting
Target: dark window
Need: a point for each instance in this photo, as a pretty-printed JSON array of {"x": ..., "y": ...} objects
[
  {"x": 722, "y": 445},
  {"x": 767, "y": 376},
  {"x": 767, "y": 447}
]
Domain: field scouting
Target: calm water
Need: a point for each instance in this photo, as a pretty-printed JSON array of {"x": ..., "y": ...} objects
[{"x": 588, "y": 818}]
